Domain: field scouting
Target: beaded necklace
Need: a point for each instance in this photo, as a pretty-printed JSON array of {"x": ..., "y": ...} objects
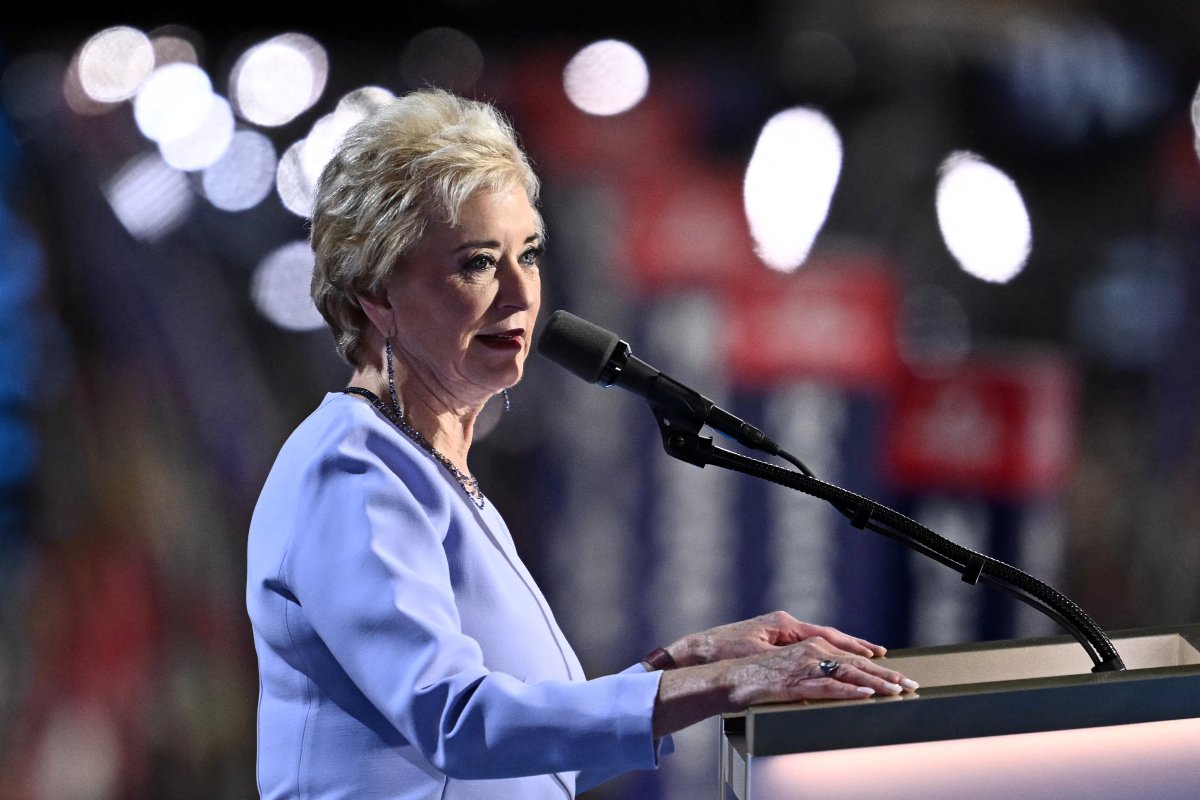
[{"x": 469, "y": 484}]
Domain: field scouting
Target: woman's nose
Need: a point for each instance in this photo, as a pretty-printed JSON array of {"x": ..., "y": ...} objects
[{"x": 518, "y": 285}]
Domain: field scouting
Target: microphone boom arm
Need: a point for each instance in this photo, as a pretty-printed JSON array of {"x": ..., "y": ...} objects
[{"x": 681, "y": 440}]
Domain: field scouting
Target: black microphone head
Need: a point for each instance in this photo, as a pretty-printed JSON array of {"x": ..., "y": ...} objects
[{"x": 577, "y": 345}]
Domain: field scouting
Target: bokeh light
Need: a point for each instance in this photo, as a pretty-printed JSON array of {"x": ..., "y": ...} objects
[
  {"x": 77, "y": 98},
  {"x": 280, "y": 288},
  {"x": 174, "y": 47},
  {"x": 277, "y": 80},
  {"x": 114, "y": 62},
  {"x": 204, "y": 145},
  {"x": 789, "y": 185},
  {"x": 606, "y": 77},
  {"x": 1196, "y": 121},
  {"x": 149, "y": 197},
  {"x": 364, "y": 100},
  {"x": 983, "y": 218},
  {"x": 292, "y": 184},
  {"x": 174, "y": 102},
  {"x": 244, "y": 175},
  {"x": 323, "y": 138}
]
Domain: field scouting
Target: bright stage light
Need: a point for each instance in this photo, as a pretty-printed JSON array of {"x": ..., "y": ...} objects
[
  {"x": 983, "y": 218},
  {"x": 789, "y": 185},
  {"x": 606, "y": 77}
]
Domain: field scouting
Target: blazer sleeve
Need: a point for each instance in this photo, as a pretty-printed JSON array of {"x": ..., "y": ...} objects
[
  {"x": 367, "y": 567},
  {"x": 591, "y": 778}
]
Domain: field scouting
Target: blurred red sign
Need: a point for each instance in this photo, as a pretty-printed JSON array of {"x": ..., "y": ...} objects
[
  {"x": 685, "y": 228},
  {"x": 833, "y": 319},
  {"x": 1000, "y": 427}
]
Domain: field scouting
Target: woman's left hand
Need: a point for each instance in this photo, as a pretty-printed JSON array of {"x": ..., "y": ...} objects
[{"x": 758, "y": 635}]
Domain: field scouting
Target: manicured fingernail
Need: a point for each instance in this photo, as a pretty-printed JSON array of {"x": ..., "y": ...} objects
[
  {"x": 865, "y": 690},
  {"x": 893, "y": 688},
  {"x": 909, "y": 683}
]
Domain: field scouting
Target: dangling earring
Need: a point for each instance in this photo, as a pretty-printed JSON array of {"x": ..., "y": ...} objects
[
  {"x": 507, "y": 402},
  {"x": 391, "y": 373}
]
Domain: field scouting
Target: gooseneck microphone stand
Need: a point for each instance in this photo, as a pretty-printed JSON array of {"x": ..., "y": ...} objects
[{"x": 682, "y": 440}]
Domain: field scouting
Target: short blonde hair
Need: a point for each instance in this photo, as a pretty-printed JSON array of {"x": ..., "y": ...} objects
[{"x": 419, "y": 155}]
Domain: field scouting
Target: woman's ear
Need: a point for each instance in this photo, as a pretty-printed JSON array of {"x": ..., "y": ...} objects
[{"x": 378, "y": 308}]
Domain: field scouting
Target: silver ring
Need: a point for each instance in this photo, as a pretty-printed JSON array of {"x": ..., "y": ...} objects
[{"x": 828, "y": 667}]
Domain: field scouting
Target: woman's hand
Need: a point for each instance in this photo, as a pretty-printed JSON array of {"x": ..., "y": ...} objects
[
  {"x": 812, "y": 669},
  {"x": 762, "y": 634}
]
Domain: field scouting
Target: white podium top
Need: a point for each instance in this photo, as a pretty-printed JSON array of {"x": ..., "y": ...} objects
[{"x": 1024, "y": 718}]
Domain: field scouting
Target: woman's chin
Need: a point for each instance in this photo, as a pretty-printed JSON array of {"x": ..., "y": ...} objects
[{"x": 498, "y": 380}]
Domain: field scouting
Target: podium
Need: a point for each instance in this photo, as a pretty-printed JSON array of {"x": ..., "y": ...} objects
[{"x": 1008, "y": 719}]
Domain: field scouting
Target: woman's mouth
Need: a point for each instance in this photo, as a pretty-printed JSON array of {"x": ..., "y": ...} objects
[{"x": 508, "y": 340}]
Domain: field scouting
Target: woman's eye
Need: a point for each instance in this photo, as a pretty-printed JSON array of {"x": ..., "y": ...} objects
[
  {"x": 531, "y": 256},
  {"x": 481, "y": 262}
]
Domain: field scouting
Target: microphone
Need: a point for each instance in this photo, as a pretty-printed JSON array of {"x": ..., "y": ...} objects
[{"x": 600, "y": 356}]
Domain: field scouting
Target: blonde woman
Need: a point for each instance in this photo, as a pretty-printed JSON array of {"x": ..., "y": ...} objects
[{"x": 404, "y": 649}]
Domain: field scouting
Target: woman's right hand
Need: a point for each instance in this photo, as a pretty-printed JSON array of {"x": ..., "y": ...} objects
[{"x": 782, "y": 674}]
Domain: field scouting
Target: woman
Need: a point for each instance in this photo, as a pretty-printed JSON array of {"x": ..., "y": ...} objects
[{"x": 404, "y": 650}]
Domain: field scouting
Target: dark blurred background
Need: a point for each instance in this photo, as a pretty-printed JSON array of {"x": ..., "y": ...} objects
[{"x": 153, "y": 354}]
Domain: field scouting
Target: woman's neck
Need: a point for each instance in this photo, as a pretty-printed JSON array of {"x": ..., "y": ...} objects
[{"x": 446, "y": 422}]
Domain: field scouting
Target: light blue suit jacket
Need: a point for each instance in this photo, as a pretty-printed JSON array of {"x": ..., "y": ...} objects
[{"x": 404, "y": 649}]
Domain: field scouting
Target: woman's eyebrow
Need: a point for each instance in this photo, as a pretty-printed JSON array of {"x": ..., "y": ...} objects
[{"x": 492, "y": 242}]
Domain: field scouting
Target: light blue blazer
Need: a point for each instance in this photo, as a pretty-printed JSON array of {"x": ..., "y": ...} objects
[{"x": 404, "y": 650}]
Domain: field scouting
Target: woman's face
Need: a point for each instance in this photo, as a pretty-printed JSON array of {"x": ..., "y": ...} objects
[{"x": 466, "y": 298}]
